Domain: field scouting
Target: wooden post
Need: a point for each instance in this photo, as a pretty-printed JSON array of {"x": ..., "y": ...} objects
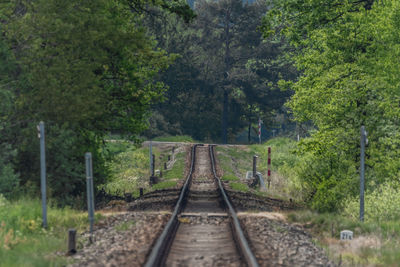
[
  {"x": 71, "y": 242},
  {"x": 165, "y": 165},
  {"x": 169, "y": 157},
  {"x": 160, "y": 173},
  {"x": 141, "y": 191}
]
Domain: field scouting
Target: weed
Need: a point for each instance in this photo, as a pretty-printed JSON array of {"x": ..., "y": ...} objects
[
  {"x": 229, "y": 177},
  {"x": 239, "y": 187},
  {"x": 125, "y": 226}
]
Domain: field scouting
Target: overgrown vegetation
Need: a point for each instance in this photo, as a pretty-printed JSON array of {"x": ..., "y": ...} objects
[
  {"x": 130, "y": 168},
  {"x": 23, "y": 241},
  {"x": 285, "y": 182}
]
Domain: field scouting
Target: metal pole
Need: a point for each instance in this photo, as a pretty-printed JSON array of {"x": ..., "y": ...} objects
[
  {"x": 362, "y": 172},
  {"x": 153, "y": 162},
  {"x": 269, "y": 167},
  {"x": 151, "y": 157},
  {"x": 43, "y": 172},
  {"x": 89, "y": 189}
]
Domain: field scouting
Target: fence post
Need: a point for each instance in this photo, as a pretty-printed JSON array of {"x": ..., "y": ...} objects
[
  {"x": 151, "y": 158},
  {"x": 141, "y": 191},
  {"x": 71, "y": 242},
  {"x": 89, "y": 189},
  {"x": 269, "y": 167},
  {"x": 41, "y": 135},
  {"x": 255, "y": 165},
  {"x": 153, "y": 167}
]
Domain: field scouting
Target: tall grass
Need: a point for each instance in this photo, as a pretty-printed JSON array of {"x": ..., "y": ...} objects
[{"x": 23, "y": 242}]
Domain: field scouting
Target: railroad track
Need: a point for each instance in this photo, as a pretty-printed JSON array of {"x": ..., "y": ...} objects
[{"x": 204, "y": 229}]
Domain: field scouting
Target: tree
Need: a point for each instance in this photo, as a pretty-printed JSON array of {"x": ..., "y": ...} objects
[
  {"x": 223, "y": 67},
  {"x": 348, "y": 79},
  {"x": 9, "y": 180},
  {"x": 85, "y": 68}
]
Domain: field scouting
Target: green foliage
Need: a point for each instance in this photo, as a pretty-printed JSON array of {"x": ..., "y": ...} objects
[
  {"x": 381, "y": 204},
  {"x": 84, "y": 68},
  {"x": 129, "y": 171},
  {"x": 346, "y": 52},
  {"x": 9, "y": 180}
]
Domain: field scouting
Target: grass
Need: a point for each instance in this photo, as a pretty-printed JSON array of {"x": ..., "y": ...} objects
[
  {"x": 237, "y": 160},
  {"x": 178, "y": 138},
  {"x": 239, "y": 187},
  {"x": 125, "y": 226},
  {"x": 229, "y": 177},
  {"x": 178, "y": 169},
  {"x": 164, "y": 185},
  {"x": 130, "y": 168},
  {"x": 23, "y": 242}
]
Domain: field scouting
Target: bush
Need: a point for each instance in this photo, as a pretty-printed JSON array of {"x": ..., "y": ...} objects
[
  {"x": 381, "y": 204},
  {"x": 9, "y": 181}
]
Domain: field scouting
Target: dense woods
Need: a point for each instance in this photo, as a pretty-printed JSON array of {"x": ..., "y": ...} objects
[{"x": 225, "y": 71}]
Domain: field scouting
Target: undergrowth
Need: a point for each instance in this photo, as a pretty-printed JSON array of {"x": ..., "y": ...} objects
[{"x": 23, "y": 241}]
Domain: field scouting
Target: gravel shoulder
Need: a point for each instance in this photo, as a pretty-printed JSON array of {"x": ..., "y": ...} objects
[
  {"x": 122, "y": 239},
  {"x": 277, "y": 243}
]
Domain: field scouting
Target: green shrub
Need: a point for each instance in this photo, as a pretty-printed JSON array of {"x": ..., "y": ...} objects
[
  {"x": 381, "y": 204},
  {"x": 129, "y": 171},
  {"x": 9, "y": 181}
]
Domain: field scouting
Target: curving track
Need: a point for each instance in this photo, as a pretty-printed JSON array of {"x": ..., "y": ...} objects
[{"x": 203, "y": 229}]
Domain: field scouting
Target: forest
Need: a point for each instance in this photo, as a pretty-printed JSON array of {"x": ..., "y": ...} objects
[{"x": 141, "y": 69}]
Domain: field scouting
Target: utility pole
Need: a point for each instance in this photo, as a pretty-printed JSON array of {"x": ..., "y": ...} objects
[{"x": 364, "y": 142}]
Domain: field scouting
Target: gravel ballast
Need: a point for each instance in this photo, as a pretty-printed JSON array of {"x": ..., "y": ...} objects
[
  {"x": 276, "y": 243},
  {"x": 121, "y": 240}
]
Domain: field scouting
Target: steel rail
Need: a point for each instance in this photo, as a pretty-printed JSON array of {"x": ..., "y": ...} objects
[
  {"x": 238, "y": 234},
  {"x": 160, "y": 250}
]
